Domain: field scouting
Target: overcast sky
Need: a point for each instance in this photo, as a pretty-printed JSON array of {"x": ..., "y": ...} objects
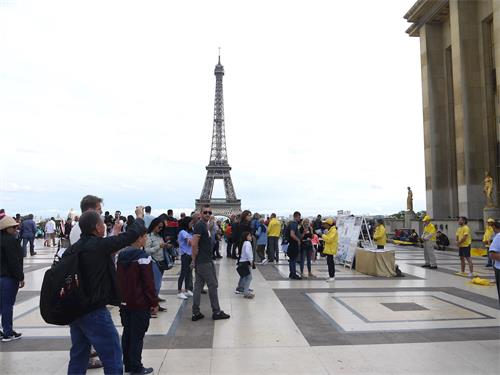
[{"x": 115, "y": 98}]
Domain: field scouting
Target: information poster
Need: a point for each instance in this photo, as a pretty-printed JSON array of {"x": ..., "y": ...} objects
[{"x": 348, "y": 228}]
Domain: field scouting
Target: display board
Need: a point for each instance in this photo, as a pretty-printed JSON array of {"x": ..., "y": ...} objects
[{"x": 349, "y": 230}]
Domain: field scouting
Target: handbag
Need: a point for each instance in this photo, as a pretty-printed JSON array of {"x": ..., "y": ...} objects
[
  {"x": 243, "y": 269},
  {"x": 167, "y": 262}
]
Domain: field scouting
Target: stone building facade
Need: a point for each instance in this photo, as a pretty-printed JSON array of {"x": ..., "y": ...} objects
[{"x": 460, "y": 61}]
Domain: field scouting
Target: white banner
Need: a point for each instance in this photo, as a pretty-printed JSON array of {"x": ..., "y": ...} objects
[{"x": 348, "y": 228}]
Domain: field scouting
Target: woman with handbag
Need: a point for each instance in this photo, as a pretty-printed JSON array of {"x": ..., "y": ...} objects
[{"x": 155, "y": 247}]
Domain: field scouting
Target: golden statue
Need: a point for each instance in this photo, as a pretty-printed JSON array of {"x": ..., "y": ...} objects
[
  {"x": 488, "y": 190},
  {"x": 409, "y": 200}
]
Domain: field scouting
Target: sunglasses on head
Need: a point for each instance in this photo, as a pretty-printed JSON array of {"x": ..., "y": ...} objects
[{"x": 207, "y": 212}]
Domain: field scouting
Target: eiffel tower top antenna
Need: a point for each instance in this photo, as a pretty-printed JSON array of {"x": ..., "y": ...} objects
[{"x": 219, "y": 55}]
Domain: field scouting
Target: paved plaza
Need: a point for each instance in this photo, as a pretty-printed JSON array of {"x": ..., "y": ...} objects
[{"x": 430, "y": 321}]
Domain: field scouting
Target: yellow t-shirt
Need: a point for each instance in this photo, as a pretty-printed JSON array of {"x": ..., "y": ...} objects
[
  {"x": 430, "y": 229},
  {"x": 487, "y": 235},
  {"x": 461, "y": 232},
  {"x": 379, "y": 235}
]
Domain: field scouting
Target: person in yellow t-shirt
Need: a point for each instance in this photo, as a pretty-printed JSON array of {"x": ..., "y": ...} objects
[
  {"x": 487, "y": 238},
  {"x": 379, "y": 236},
  {"x": 429, "y": 239},
  {"x": 331, "y": 239},
  {"x": 464, "y": 241}
]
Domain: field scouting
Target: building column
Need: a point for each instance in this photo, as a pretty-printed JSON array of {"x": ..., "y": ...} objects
[
  {"x": 437, "y": 143},
  {"x": 470, "y": 139},
  {"x": 496, "y": 51}
]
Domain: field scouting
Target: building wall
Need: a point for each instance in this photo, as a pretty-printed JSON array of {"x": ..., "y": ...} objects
[{"x": 460, "y": 46}]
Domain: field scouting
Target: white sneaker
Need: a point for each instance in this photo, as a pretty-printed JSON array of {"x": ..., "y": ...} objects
[
  {"x": 264, "y": 261},
  {"x": 182, "y": 296},
  {"x": 189, "y": 293},
  {"x": 330, "y": 279},
  {"x": 471, "y": 274}
]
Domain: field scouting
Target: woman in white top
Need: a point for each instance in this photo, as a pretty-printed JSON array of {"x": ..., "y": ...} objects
[{"x": 244, "y": 267}]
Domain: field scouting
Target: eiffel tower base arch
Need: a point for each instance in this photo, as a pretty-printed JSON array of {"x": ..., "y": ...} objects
[{"x": 221, "y": 207}]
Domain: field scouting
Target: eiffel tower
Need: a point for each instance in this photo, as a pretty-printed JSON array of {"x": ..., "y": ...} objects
[{"x": 218, "y": 167}]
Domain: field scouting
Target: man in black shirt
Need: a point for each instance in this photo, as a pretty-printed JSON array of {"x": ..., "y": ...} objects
[{"x": 204, "y": 268}]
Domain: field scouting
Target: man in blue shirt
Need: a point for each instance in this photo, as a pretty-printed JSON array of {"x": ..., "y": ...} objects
[
  {"x": 495, "y": 254},
  {"x": 28, "y": 231}
]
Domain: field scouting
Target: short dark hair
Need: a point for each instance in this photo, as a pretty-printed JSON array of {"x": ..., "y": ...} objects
[
  {"x": 380, "y": 221},
  {"x": 184, "y": 223},
  {"x": 244, "y": 236},
  {"x": 496, "y": 224},
  {"x": 30, "y": 216},
  {"x": 52, "y": 218},
  {"x": 464, "y": 219},
  {"x": 147, "y": 209},
  {"x": 170, "y": 211},
  {"x": 88, "y": 222},
  {"x": 89, "y": 202},
  {"x": 273, "y": 215},
  {"x": 296, "y": 213},
  {"x": 206, "y": 205}
]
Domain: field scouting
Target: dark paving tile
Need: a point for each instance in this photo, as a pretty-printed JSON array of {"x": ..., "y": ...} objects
[{"x": 404, "y": 306}]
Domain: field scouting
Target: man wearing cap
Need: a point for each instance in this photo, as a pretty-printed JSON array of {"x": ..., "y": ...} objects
[
  {"x": 11, "y": 275},
  {"x": 429, "y": 238},
  {"x": 487, "y": 238},
  {"x": 331, "y": 244}
]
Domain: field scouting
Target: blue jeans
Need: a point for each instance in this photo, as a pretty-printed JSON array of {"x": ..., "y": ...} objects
[
  {"x": 305, "y": 253},
  {"x": 8, "y": 291},
  {"x": 157, "y": 276},
  {"x": 95, "y": 328},
  {"x": 244, "y": 284},
  {"x": 31, "y": 241}
]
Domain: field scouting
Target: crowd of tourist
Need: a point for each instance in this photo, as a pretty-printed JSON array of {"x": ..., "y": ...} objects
[{"x": 123, "y": 260}]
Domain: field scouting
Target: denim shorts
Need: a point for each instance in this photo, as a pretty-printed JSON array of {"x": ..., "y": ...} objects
[{"x": 464, "y": 251}]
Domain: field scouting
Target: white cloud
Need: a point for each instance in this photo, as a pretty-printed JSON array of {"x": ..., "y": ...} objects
[{"x": 116, "y": 98}]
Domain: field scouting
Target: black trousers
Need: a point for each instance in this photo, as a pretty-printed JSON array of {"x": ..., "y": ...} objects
[
  {"x": 135, "y": 324},
  {"x": 229, "y": 247},
  {"x": 331, "y": 265}
]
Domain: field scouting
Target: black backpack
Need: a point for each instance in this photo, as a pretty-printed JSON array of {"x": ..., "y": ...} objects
[{"x": 62, "y": 297}]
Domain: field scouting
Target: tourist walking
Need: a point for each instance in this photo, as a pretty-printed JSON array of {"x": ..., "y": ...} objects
[
  {"x": 139, "y": 300},
  {"x": 185, "y": 252},
  {"x": 273, "y": 235},
  {"x": 204, "y": 268},
  {"x": 380, "y": 236},
  {"x": 50, "y": 232},
  {"x": 293, "y": 245},
  {"x": 331, "y": 240},
  {"x": 95, "y": 326},
  {"x": 429, "y": 239},
  {"x": 464, "y": 240},
  {"x": 306, "y": 247},
  {"x": 261, "y": 235},
  {"x": 28, "y": 232},
  {"x": 11, "y": 275},
  {"x": 244, "y": 267}
]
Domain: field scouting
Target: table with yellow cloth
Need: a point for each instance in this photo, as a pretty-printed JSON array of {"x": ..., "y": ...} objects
[{"x": 376, "y": 263}]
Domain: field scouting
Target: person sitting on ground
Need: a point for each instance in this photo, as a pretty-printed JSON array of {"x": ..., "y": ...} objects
[
  {"x": 11, "y": 275},
  {"x": 95, "y": 326},
  {"x": 135, "y": 279},
  {"x": 442, "y": 241}
]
